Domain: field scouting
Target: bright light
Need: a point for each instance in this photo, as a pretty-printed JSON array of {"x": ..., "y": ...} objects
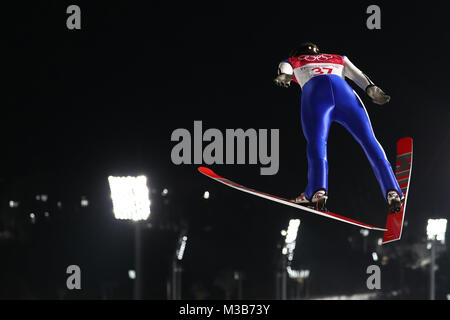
[
  {"x": 293, "y": 274},
  {"x": 206, "y": 195},
  {"x": 164, "y": 192},
  {"x": 132, "y": 274},
  {"x": 297, "y": 274},
  {"x": 283, "y": 233},
  {"x": 304, "y": 274},
  {"x": 292, "y": 230},
  {"x": 32, "y": 218},
  {"x": 84, "y": 202},
  {"x": 374, "y": 256},
  {"x": 13, "y": 204},
  {"x": 380, "y": 241},
  {"x": 436, "y": 229},
  {"x": 130, "y": 197},
  {"x": 180, "y": 251},
  {"x": 41, "y": 197},
  {"x": 291, "y": 236},
  {"x": 364, "y": 232}
]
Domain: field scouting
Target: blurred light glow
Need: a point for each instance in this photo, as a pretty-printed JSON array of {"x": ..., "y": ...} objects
[
  {"x": 180, "y": 251},
  {"x": 292, "y": 230},
  {"x": 364, "y": 232},
  {"x": 380, "y": 241},
  {"x": 130, "y": 197},
  {"x": 293, "y": 274},
  {"x": 374, "y": 256},
  {"x": 206, "y": 195},
  {"x": 84, "y": 202},
  {"x": 283, "y": 233},
  {"x": 290, "y": 240},
  {"x": 297, "y": 274},
  {"x": 132, "y": 274},
  {"x": 46, "y": 214},
  {"x": 32, "y": 218},
  {"x": 13, "y": 204},
  {"x": 304, "y": 274},
  {"x": 436, "y": 229},
  {"x": 164, "y": 192}
]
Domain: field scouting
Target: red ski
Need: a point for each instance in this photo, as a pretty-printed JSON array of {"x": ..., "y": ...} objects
[
  {"x": 403, "y": 168},
  {"x": 212, "y": 175}
]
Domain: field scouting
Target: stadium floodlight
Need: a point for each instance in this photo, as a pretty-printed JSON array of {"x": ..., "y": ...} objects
[
  {"x": 293, "y": 274},
  {"x": 436, "y": 234},
  {"x": 130, "y": 197},
  {"x": 180, "y": 251},
  {"x": 297, "y": 274},
  {"x": 304, "y": 274},
  {"x": 436, "y": 229},
  {"x": 291, "y": 234},
  {"x": 291, "y": 237}
]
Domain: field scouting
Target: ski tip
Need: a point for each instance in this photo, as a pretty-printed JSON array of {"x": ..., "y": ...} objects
[
  {"x": 208, "y": 172},
  {"x": 404, "y": 145},
  {"x": 408, "y": 139}
]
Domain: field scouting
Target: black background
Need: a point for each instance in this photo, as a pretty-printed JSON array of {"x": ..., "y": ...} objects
[{"x": 84, "y": 104}]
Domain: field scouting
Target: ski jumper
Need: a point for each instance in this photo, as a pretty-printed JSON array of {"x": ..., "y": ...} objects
[{"x": 326, "y": 98}]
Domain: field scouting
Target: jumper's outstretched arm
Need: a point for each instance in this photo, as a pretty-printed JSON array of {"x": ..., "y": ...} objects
[{"x": 357, "y": 76}]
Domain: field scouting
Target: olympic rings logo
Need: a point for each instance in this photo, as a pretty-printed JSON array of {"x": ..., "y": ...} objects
[{"x": 317, "y": 57}]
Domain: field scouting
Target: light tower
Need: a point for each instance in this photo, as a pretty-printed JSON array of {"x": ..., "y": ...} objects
[
  {"x": 436, "y": 229},
  {"x": 130, "y": 198}
]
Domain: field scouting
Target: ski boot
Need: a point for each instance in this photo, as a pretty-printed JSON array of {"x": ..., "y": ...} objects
[
  {"x": 317, "y": 201},
  {"x": 395, "y": 202}
]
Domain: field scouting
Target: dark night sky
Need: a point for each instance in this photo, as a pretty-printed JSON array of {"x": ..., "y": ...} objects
[{"x": 82, "y": 105}]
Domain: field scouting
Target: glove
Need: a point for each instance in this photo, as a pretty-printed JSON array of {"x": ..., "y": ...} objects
[
  {"x": 283, "y": 80},
  {"x": 377, "y": 95}
]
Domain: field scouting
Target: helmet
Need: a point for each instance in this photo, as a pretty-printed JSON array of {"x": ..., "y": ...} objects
[{"x": 304, "y": 48}]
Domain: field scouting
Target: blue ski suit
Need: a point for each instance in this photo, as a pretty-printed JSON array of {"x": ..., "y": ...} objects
[{"x": 326, "y": 98}]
